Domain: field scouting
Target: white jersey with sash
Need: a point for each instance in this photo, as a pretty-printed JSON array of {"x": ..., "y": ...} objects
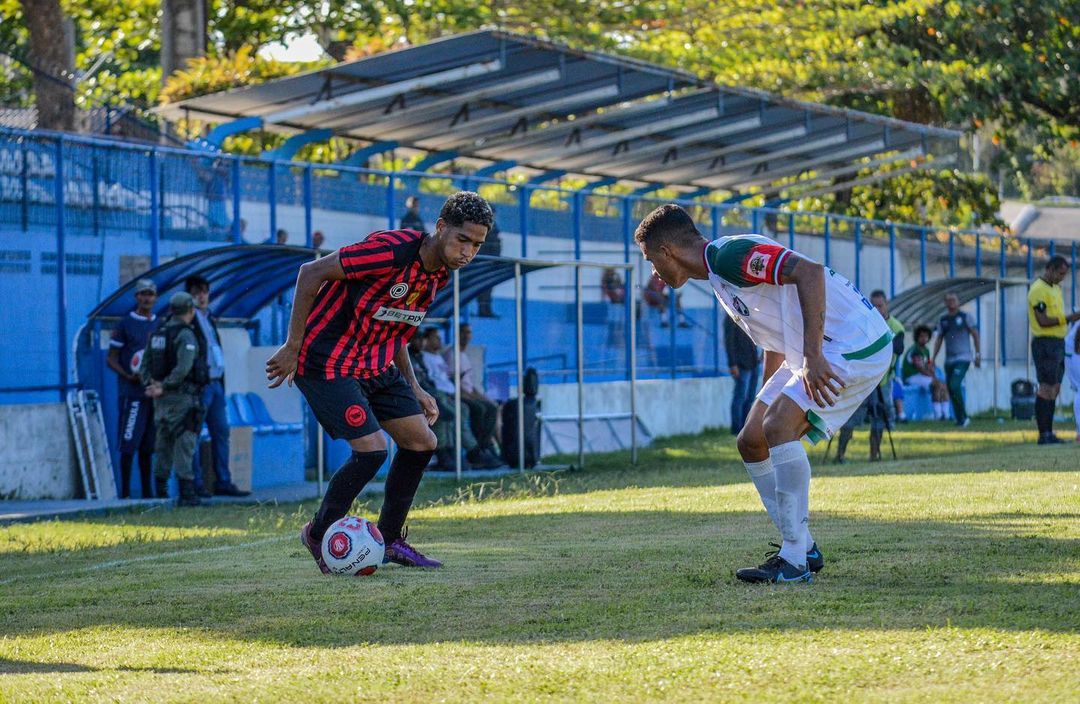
[{"x": 744, "y": 271}]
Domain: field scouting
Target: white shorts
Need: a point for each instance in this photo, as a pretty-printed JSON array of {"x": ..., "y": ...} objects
[
  {"x": 860, "y": 376},
  {"x": 920, "y": 380}
]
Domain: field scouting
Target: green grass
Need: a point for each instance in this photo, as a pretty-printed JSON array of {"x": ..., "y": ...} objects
[{"x": 952, "y": 575}]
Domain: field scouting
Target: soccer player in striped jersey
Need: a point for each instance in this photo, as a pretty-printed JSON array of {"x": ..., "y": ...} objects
[
  {"x": 826, "y": 348},
  {"x": 353, "y": 314}
]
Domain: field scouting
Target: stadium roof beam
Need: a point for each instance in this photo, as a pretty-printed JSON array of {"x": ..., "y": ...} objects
[
  {"x": 598, "y": 183},
  {"x": 742, "y": 164},
  {"x": 646, "y": 189},
  {"x": 361, "y": 155},
  {"x": 381, "y": 92},
  {"x": 947, "y": 160},
  {"x": 631, "y": 155},
  {"x": 715, "y": 155},
  {"x": 293, "y": 144},
  {"x": 492, "y": 169},
  {"x": 858, "y": 149},
  {"x": 545, "y": 176},
  {"x": 212, "y": 142},
  {"x": 389, "y": 119},
  {"x": 916, "y": 153}
]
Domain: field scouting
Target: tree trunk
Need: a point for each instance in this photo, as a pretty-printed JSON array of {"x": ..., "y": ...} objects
[
  {"x": 183, "y": 34},
  {"x": 52, "y": 55}
]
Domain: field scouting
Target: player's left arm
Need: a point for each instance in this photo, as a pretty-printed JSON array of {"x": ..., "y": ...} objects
[
  {"x": 978, "y": 347},
  {"x": 821, "y": 382},
  {"x": 403, "y": 362}
]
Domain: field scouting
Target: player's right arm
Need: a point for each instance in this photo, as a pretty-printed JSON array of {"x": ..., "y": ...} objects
[
  {"x": 821, "y": 382},
  {"x": 282, "y": 365}
]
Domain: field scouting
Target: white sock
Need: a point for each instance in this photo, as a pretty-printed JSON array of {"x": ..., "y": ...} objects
[
  {"x": 761, "y": 473},
  {"x": 791, "y": 467},
  {"x": 941, "y": 411}
]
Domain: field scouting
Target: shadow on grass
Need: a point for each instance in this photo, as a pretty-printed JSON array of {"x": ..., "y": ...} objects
[
  {"x": 582, "y": 576},
  {"x": 22, "y": 667}
]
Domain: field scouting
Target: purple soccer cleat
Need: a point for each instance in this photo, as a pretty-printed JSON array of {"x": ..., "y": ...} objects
[
  {"x": 402, "y": 553},
  {"x": 313, "y": 546}
]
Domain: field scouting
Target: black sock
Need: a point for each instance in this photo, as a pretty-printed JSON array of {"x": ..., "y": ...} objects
[
  {"x": 401, "y": 484},
  {"x": 1044, "y": 415},
  {"x": 146, "y": 459},
  {"x": 344, "y": 486},
  {"x": 125, "y": 474}
]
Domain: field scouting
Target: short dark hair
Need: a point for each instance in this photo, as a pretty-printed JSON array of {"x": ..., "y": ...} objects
[
  {"x": 1056, "y": 262},
  {"x": 467, "y": 206},
  {"x": 878, "y": 293},
  {"x": 427, "y": 332},
  {"x": 195, "y": 281},
  {"x": 668, "y": 223},
  {"x": 920, "y": 329}
]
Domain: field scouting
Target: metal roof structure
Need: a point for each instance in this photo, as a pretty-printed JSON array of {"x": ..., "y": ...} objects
[
  {"x": 925, "y": 304},
  {"x": 245, "y": 278},
  {"x": 514, "y": 100}
]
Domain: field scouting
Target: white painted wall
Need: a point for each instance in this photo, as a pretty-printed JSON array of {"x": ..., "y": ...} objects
[{"x": 37, "y": 457}]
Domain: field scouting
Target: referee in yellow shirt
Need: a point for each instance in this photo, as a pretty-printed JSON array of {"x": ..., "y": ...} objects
[{"x": 1046, "y": 314}]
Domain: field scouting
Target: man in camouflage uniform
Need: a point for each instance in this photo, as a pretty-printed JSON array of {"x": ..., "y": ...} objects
[{"x": 174, "y": 371}]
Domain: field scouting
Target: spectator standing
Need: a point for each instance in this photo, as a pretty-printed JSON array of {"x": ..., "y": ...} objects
[
  {"x": 483, "y": 412},
  {"x": 173, "y": 370},
  {"x": 742, "y": 358},
  {"x": 317, "y": 239},
  {"x": 411, "y": 220},
  {"x": 1049, "y": 324},
  {"x": 917, "y": 369},
  {"x": 213, "y": 394},
  {"x": 955, "y": 329},
  {"x": 613, "y": 291},
  {"x": 136, "y": 410}
]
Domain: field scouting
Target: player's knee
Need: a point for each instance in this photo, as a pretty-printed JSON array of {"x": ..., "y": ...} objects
[
  {"x": 374, "y": 442},
  {"x": 751, "y": 444},
  {"x": 423, "y": 442}
]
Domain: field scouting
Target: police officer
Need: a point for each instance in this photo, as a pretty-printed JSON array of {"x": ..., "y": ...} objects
[{"x": 174, "y": 371}]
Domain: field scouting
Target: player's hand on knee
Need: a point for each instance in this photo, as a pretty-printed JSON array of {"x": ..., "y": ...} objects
[
  {"x": 429, "y": 405},
  {"x": 822, "y": 384}
]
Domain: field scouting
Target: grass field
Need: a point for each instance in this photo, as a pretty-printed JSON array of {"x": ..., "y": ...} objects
[{"x": 952, "y": 575}]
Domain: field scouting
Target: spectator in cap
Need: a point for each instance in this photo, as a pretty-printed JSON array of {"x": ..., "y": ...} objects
[{"x": 136, "y": 418}]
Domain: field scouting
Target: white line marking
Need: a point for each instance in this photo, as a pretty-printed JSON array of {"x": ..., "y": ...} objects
[{"x": 150, "y": 558}]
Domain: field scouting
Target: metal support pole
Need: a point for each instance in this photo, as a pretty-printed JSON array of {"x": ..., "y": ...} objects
[
  {"x": 754, "y": 221},
  {"x": 390, "y": 201},
  {"x": 892, "y": 260},
  {"x": 1072, "y": 249},
  {"x": 580, "y": 372},
  {"x": 519, "y": 337},
  {"x": 457, "y": 376},
  {"x": 628, "y": 286},
  {"x": 1030, "y": 261},
  {"x": 320, "y": 457},
  {"x": 155, "y": 209},
  {"x": 25, "y": 184},
  {"x": 858, "y": 252},
  {"x": 790, "y": 231},
  {"x": 827, "y": 233},
  {"x": 922, "y": 255},
  {"x": 272, "y": 175},
  {"x": 952, "y": 254},
  {"x": 237, "y": 233},
  {"x": 95, "y": 193},
  {"x": 61, "y": 266},
  {"x": 526, "y": 201},
  {"x": 978, "y": 254},
  {"x": 633, "y": 374},
  {"x": 307, "y": 205},
  {"x": 1001, "y": 338}
]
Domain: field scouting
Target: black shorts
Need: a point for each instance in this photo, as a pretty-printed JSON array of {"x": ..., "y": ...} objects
[
  {"x": 1048, "y": 353},
  {"x": 352, "y": 408},
  {"x": 136, "y": 421}
]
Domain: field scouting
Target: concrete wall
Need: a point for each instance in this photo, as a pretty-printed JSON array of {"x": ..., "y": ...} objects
[{"x": 37, "y": 458}]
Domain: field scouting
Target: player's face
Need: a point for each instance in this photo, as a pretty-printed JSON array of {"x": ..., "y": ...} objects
[
  {"x": 665, "y": 265},
  {"x": 1055, "y": 275},
  {"x": 881, "y": 305},
  {"x": 145, "y": 300},
  {"x": 201, "y": 297},
  {"x": 952, "y": 302},
  {"x": 459, "y": 243}
]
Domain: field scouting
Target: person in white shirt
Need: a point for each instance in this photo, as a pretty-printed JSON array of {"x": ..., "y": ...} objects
[
  {"x": 1072, "y": 369},
  {"x": 482, "y": 410},
  {"x": 826, "y": 349}
]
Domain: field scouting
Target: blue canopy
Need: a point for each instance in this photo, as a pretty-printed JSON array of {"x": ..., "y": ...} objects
[{"x": 245, "y": 278}]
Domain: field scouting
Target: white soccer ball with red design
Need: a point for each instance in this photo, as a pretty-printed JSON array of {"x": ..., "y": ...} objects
[{"x": 353, "y": 545}]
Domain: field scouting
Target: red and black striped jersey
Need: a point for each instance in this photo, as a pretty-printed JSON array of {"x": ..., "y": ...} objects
[{"x": 356, "y": 326}]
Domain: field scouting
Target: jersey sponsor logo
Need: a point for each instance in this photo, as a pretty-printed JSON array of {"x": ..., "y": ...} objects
[
  {"x": 740, "y": 307},
  {"x": 355, "y": 415},
  {"x": 399, "y": 290},
  {"x": 339, "y": 545},
  {"x": 398, "y": 315}
]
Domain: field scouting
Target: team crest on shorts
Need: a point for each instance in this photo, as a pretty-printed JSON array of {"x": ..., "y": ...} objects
[
  {"x": 399, "y": 290},
  {"x": 740, "y": 307},
  {"x": 355, "y": 415}
]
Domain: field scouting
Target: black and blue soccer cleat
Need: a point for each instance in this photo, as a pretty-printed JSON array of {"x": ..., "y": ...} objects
[{"x": 775, "y": 570}]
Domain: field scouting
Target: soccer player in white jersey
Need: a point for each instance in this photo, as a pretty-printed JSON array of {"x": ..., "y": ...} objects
[{"x": 826, "y": 348}]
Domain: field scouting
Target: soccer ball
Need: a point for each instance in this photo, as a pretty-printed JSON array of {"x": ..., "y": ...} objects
[{"x": 353, "y": 546}]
